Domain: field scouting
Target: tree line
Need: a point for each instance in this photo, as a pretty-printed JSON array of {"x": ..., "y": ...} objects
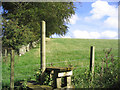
[{"x": 21, "y": 20}]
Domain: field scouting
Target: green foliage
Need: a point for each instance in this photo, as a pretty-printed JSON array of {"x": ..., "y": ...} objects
[
  {"x": 105, "y": 76},
  {"x": 83, "y": 79},
  {"x": 37, "y": 76},
  {"x": 24, "y": 85},
  {"x": 31, "y": 14},
  {"x": 15, "y": 35},
  {"x": 47, "y": 79}
]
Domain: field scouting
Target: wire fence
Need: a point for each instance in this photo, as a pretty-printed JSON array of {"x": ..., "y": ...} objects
[
  {"x": 76, "y": 67},
  {"x": 60, "y": 62},
  {"x": 51, "y": 63}
]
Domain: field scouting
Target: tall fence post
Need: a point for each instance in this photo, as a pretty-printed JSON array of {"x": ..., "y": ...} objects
[
  {"x": 12, "y": 70},
  {"x": 92, "y": 58},
  {"x": 43, "y": 61}
]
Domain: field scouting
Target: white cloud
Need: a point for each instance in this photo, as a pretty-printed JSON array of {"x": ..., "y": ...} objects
[
  {"x": 100, "y": 9},
  {"x": 74, "y": 19},
  {"x": 111, "y": 22},
  {"x": 94, "y": 35},
  {"x": 80, "y": 34},
  {"x": 85, "y": 34},
  {"x": 109, "y": 34}
]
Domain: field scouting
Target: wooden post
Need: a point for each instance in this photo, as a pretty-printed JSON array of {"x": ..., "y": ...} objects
[
  {"x": 12, "y": 70},
  {"x": 58, "y": 81},
  {"x": 43, "y": 63},
  {"x": 5, "y": 54},
  {"x": 69, "y": 82},
  {"x": 92, "y": 58}
]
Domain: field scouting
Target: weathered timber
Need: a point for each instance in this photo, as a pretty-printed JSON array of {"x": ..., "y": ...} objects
[
  {"x": 59, "y": 68},
  {"x": 63, "y": 74},
  {"x": 59, "y": 73},
  {"x": 43, "y": 62},
  {"x": 58, "y": 82},
  {"x": 43, "y": 58}
]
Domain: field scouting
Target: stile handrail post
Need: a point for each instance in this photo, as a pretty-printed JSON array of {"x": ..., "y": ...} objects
[
  {"x": 43, "y": 61},
  {"x": 42, "y": 51}
]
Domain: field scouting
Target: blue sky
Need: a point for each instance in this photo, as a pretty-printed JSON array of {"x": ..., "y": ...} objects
[{"x": 93, "y": 20}]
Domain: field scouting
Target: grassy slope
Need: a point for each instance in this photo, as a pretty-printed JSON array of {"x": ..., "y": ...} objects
[
  {"x": 78, "y": 49},
  {"x": 58, "y": 51}
]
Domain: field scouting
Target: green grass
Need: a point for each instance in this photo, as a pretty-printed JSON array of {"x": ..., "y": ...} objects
[{"x": 75, "y": 51}]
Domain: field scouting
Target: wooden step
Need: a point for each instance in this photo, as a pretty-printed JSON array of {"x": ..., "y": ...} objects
[
  {"x": 34, "y": 86},
  {"x": 66, "y": 88}
]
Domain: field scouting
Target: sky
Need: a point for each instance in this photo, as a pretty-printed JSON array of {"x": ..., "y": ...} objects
[{"x": 93, "y": 20}]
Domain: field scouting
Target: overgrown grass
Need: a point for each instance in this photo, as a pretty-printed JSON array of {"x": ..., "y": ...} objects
[{"x": 76, "y": 53}]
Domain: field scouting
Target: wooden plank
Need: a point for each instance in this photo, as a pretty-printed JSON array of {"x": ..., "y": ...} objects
[
  {"x": 63, "y": 74},
  {"x": 59, "y": 68},
  {"x": 58, "y": 82},
  {"x": 68, "y": 82}
]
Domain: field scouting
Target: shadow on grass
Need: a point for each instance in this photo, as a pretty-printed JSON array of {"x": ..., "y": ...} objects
[{"x": 19, "y": 85}]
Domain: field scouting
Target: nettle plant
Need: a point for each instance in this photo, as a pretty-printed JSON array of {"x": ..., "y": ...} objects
[
  {"x": 107, "y": 73},
  {"x": 47, "y": 79}
]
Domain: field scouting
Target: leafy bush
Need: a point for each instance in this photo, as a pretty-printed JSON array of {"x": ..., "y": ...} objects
[
  {"x": 106, "y": 74},
  {"x": 15, "y": 35},
  {"x": 47, "y": 79}
]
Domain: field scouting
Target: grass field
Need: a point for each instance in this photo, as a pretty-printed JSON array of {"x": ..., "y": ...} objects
[{"x": 60, "y": 53}]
